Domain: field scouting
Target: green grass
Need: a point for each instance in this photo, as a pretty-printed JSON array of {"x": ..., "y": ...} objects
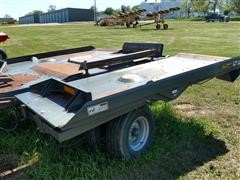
[
  {"x": 200, "y": 140},
  {"x": 235, "y": 18}
]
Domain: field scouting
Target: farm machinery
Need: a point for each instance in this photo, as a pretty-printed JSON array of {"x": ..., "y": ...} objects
[
  {"x": 102, "y": 93},
  {"x": 129, "y": 19},
  {"x": 159, "y": 17},
  {"x": 132, "y": 18}
]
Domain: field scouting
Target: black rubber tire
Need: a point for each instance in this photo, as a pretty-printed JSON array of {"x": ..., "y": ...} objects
[
  {"x": 165, "y": 26},
  {"x": 95, "y": 138},
  {"x": 3, "y": 55},
  {"x": 158, "y": 26},
  {"x": 117, "y": 134}
]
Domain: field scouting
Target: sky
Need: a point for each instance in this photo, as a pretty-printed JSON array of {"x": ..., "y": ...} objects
[{"x": 18, "y": 8}]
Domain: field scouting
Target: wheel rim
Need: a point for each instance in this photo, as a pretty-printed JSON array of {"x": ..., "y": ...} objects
[{"x": 138, "y": 133}]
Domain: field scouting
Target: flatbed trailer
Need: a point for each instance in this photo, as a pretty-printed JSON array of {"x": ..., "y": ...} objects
[{"x": 71, "y": 92}]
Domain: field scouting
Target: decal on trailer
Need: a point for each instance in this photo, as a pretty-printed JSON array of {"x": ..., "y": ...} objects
[
  {"x": 236, "y": 63},
  {"x": 97, "y": 108}
]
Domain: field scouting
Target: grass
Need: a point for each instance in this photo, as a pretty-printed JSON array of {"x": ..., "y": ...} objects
[{"x": 197, "y": 135}]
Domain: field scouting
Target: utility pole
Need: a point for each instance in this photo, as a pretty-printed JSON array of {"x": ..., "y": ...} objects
[{"x": 95, "y": 11}]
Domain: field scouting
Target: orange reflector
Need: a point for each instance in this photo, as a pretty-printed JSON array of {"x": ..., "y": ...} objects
[{"x": 69, "y": 90}]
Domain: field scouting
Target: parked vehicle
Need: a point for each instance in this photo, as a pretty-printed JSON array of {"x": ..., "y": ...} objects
[{"x": 217, "y": 17}]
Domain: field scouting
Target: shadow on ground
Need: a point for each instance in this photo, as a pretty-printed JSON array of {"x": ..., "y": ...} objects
[
  {"x": 144, "y": 28},
  {"x": 180, "y": 146}
]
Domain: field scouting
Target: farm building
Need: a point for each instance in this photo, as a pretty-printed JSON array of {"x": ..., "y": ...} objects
[
  {"x": 6, "y": 20},
  {"x": 29, "y": 19},
  {"x": 60, "y": 16},
  {"x": 67, "y": 15}
]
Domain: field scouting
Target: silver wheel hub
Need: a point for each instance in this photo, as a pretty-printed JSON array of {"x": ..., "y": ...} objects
[{"x": 138, "y": 133}]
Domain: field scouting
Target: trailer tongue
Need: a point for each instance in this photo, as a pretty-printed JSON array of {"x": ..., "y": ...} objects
[{"x": 113, "y": 90}]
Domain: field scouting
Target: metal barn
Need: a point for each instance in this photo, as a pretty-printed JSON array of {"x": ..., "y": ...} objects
[
  {"x": 67, "y": 15},
  {"x": 29, "y": 19}
]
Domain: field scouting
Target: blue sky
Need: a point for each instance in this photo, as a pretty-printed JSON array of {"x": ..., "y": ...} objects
[{"x": 17, "y": 8}]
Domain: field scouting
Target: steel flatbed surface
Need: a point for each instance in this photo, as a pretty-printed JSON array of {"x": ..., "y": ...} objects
[
  {"x": 118, "y": 92},
  {"x": 70, "y": 92}
]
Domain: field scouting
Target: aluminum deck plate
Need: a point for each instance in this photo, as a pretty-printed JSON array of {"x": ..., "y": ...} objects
[
  {"x": 115, "y": 82},
  {"x": 128, "y": 78}
]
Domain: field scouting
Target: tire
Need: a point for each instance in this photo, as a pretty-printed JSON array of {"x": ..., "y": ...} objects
[
  {"x": 95, "y": 138},
  {"x": 158, "y": 26},
  {"x": 165, "y": 26},
  {"x": 3, "y": 55},
  {"x": 131, "y": 134}
]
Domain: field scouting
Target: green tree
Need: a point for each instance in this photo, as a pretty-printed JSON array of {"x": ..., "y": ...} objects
[
  {"x": 93, "y": 8},
  {"x": 52, "y": 8},
  {"x": 109, "y": 11},
  {"x": 199, "y": 6},
  {"x": 235, "y": 6},
  {"x": 124, "y": 9},
  {"x": 136, "y": 7},
  {"x": 186, "y": 7},
  {"x": 7, "y": 16},
  {"x": 35, "y": 12},
  {"x": 213, "y": 5}
]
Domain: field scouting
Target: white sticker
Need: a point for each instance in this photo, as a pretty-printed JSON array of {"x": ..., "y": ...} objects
[
  {"x": 174, "y": 92},
  {"x": 97, "y": 108},
  {"x": 236, "y": 63}
]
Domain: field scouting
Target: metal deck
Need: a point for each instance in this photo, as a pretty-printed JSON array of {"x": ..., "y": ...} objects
[
  {"x": 111, "y": 83},
  {"x": 128, "y": 78}
]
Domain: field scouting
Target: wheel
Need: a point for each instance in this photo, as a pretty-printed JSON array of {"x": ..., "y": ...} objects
[
  {"x": 131, "y": 134},
  {"x": 128, "y": 25},
  {"x": 165, "y": 26},
  {"x": 3, "y": 55},
  {"x": 158, "y": 26}
]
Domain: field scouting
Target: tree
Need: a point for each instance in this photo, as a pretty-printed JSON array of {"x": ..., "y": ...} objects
[
  {"x": 93, "y": 8},
  {"x": 226, "y": 7},
  {"x": 124, "y": 9},
  {"x": 186, "y": 7},
  {"x": 137, "y": 7},
  {"x": 52, "y": 8},
  {"x": 109, "y": 11},
  {"x": 7, "y": 16},
  {"x": 38, "y": 12},
  {"x": 235, "y": 6},
  {"x": 213, "y": 5},
  {"x": 199, "y": 6}
]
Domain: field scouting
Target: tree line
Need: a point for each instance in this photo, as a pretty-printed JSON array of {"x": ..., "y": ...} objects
[
  {"x": 189, "y": 7},
  {"x": 192, "y": 6},
  {"x": 205, "y": 6}
]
